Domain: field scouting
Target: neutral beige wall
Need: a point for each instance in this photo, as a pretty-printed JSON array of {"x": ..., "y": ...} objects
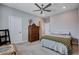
[
  {"x": 39, "y": 22},
  {"x": 65, "y": 22},
  {"x": 78, "y": 26}
]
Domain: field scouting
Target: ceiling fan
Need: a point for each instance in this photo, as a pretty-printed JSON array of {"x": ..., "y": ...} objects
[{"x": 43, "y": 8}]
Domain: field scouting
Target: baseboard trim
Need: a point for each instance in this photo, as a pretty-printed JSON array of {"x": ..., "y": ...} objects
[{"x": 21, "y": 42}]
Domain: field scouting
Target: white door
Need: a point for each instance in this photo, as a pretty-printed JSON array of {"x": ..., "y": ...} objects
[{"x": 15, "y": 27}]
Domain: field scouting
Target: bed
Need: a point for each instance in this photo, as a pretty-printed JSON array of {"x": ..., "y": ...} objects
[{"x": 58, "y": 43}]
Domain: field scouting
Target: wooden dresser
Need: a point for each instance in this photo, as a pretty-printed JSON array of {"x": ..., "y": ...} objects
[{"x": 33, "y": 33}]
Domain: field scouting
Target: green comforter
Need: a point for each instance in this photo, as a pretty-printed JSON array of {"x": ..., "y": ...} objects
[{"x": 65, "y": 41}]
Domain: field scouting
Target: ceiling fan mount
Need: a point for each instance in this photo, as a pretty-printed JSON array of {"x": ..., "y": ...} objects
[{"x": 43, "y": 8}]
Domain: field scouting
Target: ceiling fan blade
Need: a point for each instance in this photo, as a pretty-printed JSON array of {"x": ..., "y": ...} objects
[
  {"x": 36, "y": 10},
  {"x": 48, "y": 10},
  {"x": 37, "y": 5},
  {"x": 47, "y": 6}
]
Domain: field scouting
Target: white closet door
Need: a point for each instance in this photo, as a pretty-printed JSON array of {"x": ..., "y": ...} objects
[{"x": 15, "y": 26}]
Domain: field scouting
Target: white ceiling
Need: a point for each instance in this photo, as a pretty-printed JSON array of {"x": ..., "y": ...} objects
[{"x": 55, "y": 7}]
